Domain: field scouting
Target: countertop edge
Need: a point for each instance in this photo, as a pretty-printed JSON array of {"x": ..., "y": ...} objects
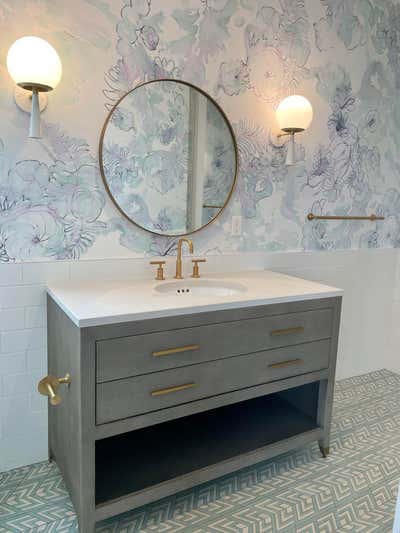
[
  {"x": 134, "y": 317},
  {"x": 75, "y": 319}
]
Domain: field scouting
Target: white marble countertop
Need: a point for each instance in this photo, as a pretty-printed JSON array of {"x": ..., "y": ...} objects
[{"x": 99, "y": 303}]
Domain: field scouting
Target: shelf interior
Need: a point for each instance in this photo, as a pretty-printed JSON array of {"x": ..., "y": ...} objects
[{"x": 133, "y": 461}]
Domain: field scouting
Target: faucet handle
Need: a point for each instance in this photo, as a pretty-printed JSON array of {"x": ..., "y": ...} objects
[
  {"x": 196, "y": 271},
  {"x": 160, "y": 269}
]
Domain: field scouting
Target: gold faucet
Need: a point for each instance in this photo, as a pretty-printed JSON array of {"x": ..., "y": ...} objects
[{"x": 178, "y": 274}]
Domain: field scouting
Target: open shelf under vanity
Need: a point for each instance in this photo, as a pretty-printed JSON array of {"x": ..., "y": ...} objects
[{"x": 132, "y": 462}]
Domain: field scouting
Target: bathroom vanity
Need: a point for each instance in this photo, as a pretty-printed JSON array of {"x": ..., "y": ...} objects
[{"x": 166, "y": 385}]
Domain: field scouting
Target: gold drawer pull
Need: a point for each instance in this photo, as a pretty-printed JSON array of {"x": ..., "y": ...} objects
[
  {"x": 170, "y": 351},
  {"x": 284, "y": 364},
  {"x": 177, "y": 388},
  {"x": 287, "y": 331}
]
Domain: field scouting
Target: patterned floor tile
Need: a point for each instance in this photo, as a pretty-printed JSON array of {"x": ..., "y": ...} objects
[{"x": 353, "y": 490}]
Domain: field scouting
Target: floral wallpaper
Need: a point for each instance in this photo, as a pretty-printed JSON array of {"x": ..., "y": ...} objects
[{"x": 343, "y": 55}]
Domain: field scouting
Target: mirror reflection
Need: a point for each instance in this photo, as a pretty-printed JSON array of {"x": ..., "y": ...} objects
[{"x": 168, "y": 157}]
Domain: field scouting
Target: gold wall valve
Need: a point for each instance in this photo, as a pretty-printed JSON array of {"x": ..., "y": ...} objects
[
  {"x": 196, "y": 271},
  {"x": 160, "y": 269},
  {"x": 48, "y": 387}
]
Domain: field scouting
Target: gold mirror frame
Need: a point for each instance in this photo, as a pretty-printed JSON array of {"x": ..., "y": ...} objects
[{"x": 235, "y": 147}]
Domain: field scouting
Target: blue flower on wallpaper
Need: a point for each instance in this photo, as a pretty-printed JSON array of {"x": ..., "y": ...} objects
[
  {"x": 386, "y": 233},
  {"x": 121, "y": 168},
  {"x": 337, "y": 169},
  {"x": 165, "y": 169},
  {"x": 387, "y": 37},
  {"x": 234, "y": 77},
  {"x": 261, "y": 162},
  {"x": 124, "y": 120},
  {"x": 360, "y": 20},
  {"x": 165, "y": 68},
  {"x": 205, "y": 31},
  {"x": 350, "y": 20},
  {"x": 51, "y": 210},
  {"x": 278, "y": 47},
  {"x": 346, "y": 175},
  {"x": 170, "y": 217},
  {"x": 202, "y": 33},
  {"x": 138, "y": 36}
]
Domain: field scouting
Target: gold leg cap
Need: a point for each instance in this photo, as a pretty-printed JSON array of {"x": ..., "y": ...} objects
[{"x": 324, "y": 451}]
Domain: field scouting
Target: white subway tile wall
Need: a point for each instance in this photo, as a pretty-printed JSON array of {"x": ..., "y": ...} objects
[
  {"x": 394, "y": 350},
  {"x": 371, "y": 281}
]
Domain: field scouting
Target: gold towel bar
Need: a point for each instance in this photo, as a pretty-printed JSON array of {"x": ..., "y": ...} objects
[
  {"x": 170, "y": 351},
  {"x": 177, "y": 388},
  {"x": 371, "y": 218},
  {"x": 287, "y": 331},
  {"x": 285, "y": 363}
]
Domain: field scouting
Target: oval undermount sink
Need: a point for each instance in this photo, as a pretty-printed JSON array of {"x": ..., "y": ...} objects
[{"x": 200, "y": 288}]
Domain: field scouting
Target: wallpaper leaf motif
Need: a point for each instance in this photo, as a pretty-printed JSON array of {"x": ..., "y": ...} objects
[
  {"x": 345, "y": 175},
  {"x": 278, "y": 47},
  {"x": 51, "y": 210}
]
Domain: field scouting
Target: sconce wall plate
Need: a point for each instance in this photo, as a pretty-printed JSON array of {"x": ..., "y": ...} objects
[{"x": 23, "y": 99}]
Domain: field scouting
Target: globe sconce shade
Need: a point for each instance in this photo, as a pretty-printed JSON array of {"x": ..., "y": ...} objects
[
  {"x": 35, "y": 66},
  {"x": 33, "y": 62},
  {"x": 294, "y": 115}
]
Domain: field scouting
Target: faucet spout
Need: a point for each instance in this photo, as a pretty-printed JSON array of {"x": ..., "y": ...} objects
[{"x": 178, "y": 274}]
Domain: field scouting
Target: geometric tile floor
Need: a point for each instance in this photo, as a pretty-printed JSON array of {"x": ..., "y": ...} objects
[{"x": 353, "y": 490}]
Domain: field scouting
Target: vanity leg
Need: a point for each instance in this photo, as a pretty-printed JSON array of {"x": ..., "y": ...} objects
[
  {"x": 51, "y": 456},
  {"x": 324, "y": 415},
  {"x": 323, "y": 449},
  {"x": 86, "y": 523},
  {"x": 326, "y": 387}
]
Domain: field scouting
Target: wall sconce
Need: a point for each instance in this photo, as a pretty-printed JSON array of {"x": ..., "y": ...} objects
[
  {"x": 294, "y": 115},
  {"x": 35, "y": 66}
]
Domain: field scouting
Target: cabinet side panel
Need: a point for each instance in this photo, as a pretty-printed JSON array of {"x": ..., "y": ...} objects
[{"x": 65, "y": 419}]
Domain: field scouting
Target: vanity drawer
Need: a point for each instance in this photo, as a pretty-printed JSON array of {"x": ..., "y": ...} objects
[
  {"x": 141, "y": 354},
  {"x": 141, "y": 394}
]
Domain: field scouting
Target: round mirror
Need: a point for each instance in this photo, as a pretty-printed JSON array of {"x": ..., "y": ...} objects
[{"x": 168, "y": 157}]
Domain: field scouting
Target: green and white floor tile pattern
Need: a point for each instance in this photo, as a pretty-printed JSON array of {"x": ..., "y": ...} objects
[{"x": 353, "y": 490}]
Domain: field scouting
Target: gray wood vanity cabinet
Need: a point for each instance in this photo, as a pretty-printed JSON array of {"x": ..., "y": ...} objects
[{"x": 159, "y": 405}]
